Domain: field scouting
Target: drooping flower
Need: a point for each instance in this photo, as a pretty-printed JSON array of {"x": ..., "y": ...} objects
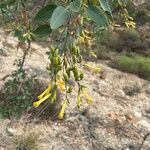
[
  {"x": 85, "y": 38},
  {"x": 88, "y": 98},
  {"x": 130, "y": 24},
  {"x": 61, "y": 84},
  {"x": 78, "y": 100},
  {"x": 45, "y": 92},
  {"x": 62, "y": 112},
  {"x": 94, "y": 68},
  {"x": 37, "y": 103}
]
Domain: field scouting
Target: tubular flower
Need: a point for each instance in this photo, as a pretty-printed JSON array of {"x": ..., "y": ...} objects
[
  {"x": 94, "y": 68},
  {"x": 78, "y": 100},
  {"x": 37, "y": 103},
  {"x": 93, "y": 54},
  {"x": 61, "y": 84},
  {"x": 89, "y": 99},
  {"x": 61, "y": 114},
  {"x": 130, "y": 24},
  {"x": 28, "y": 35},
  {"x": 45, "y": 92},
  {"x": 85, "y": 38}
]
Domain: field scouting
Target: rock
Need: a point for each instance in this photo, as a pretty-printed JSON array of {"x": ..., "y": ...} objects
[
  {"x": 10, "y": 131},
  {"x": 131, "y": 90},
  {"x": 145, "y": 124},
  {"x": 6, "y": 121},
  {"x": 137, "y": 113},
  {"x": 1, "y": 148},
  {"x": 147, "y": 90},
  {"x": 88, "y": 112},
  {"x": 127, "y": 149}
]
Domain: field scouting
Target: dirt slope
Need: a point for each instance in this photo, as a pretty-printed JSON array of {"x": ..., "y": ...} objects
[{"x": 118, "y": 119}]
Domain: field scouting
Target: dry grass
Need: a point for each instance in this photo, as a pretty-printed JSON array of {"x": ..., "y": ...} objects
[{"x": 26, "y": 142}]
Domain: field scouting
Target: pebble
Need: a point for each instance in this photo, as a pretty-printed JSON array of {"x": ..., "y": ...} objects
[
  {"x": 137, "y": 113},
  {"x": 145, "y": 124},
  {"x": 10, "y": 131}
]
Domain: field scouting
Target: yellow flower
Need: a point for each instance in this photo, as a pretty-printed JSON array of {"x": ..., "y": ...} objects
[
  {"x": 28, "y": 35},
  {"x": 86, "y": 31},
  {"x": 45, "y": 92},
  {"x": 93, "y": 54},
  {"x": 81, "y": 39},
  {"x": 61, "y": 84},
  {"x": 61, "y": 114},
  {"x": 94, "y": 68},
  {"x": 85, "y": 38},
  {"x": 89, "y": 99},
  {"x": 78, "y": 100},
  {"x": 130, "y": 24},
  {"x": 37, "y": 103}
]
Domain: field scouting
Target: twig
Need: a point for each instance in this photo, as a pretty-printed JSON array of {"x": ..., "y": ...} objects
[
  {"x": 5, "y": 77},
  {"x": 25, "y": 54},
  {"x": 44, "y": 1},
  {"x": 144, "y": 139}
]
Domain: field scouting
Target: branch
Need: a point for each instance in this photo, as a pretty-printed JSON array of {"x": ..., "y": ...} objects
[
  {"x": 144, "y": 139},
  {"x": 25, "y": 54}
]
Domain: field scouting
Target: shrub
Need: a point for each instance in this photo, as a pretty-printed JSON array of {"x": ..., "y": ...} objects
[
  {"x": 142, "y": 13},
  {"x": 130, "y": 34},
  {"x": 17, "y": 93},
  {"x": 127, "y": 39},
  {"x": 103, "y": 52},
  {"x": 1, "y": 51},
  {"x": 134, "y": 64},
  {"x": 26, "y": 142},
  {"x": 132, "y": 90},
  {"x": 108, "y": 38},
  {"x": 70, "y": 20},
  {"x": 130, "y": 39}
]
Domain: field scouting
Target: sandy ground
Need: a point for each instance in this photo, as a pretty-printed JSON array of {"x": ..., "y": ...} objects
[{"x": 115, "y": 121}]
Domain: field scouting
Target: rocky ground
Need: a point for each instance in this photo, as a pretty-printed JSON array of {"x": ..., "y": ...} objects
[{"x": 118, "y": 119}]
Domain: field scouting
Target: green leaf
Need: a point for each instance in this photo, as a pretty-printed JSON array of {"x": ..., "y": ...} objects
[
  {"x": 59, "y": 16},
  {"x": 45, "y": 13},
  {"x": 75, "y": 6},
  {"x": 97, "y": 15},
  {"x": 7, "y": 3},
  {"x": 43, "y": 30},
  {"x": 105, "y": 5}
]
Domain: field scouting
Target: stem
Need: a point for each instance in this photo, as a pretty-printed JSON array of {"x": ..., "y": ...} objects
[
  {"x": 65, "y": 46},
  {"x": 144, "y": 139},
  {"x": 68, "y": 29},
  {"x": 44, "y": 1},
  {"x": 25, "y": 54}
]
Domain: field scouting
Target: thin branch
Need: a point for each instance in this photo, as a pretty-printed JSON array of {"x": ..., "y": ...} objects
[
  {"x": 44, "y": 2},
  {"x": 25, "y": 54},
  {"x": 5, "y": 77},
  {"x": 144, "y": 139}
]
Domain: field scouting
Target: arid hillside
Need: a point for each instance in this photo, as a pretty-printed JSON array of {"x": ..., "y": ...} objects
[{"x": 118, "y": 118}]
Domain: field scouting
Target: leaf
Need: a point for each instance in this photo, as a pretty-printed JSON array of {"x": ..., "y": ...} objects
[
  {"x": 45, "y": 13},
  {"x": 7, "y": 3},
  {"x": 43, "y": 30},
  {"x": 96, "y": 2},
  {"x": 75, "y": 6},
  {"x": 105, "y": 5},
  {"x": 97, "y": 15},
  {"x": 59, "y": 16},
  {"x": 18, "y": 33}
]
